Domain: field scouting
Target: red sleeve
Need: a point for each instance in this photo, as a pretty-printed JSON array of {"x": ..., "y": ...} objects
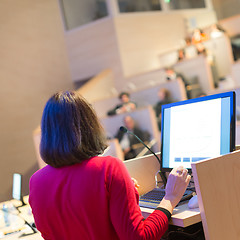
[{"x": 125, "y": 212}]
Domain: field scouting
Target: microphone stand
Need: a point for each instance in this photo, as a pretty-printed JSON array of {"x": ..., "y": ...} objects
[{"x": 163, "y": 176}]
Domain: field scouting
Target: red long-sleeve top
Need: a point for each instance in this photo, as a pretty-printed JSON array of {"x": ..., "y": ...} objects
[{"x": 95, "y": 199}]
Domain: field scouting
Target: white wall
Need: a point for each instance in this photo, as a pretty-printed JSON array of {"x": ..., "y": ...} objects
[
  {"x": 93, "y": 48},
  {"x": 33, "y": 66},
  {"x": 143, "y": 37},
  {"x": 78, "y": 13},
  {"x": 226, "y": 9},
  {"x": 129, "y": 44}
]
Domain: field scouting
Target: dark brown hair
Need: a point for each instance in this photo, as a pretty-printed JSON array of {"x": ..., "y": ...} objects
[
  {"x": 71, "y": 131},
  {"x": 122, "y": 94}
]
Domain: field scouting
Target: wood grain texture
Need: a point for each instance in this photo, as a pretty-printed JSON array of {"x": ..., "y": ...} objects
[
  {"x": 99, "y": 87},
  {"x": 231, "y": 24},
  {"x": 93, "y": 48},
  {"x": 142, "y": 37},
  {"x": 114, "y": 149},
  {"x": 197, "y": 67},
  {"x": 217, "y": 182},
  {"x": 143, "y": 169}
]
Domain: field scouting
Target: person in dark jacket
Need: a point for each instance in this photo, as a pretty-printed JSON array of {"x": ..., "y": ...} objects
[
  {"x": 127, "y": 141},
  {"x": 164, "y": 97},
  {"x": 126, "y": 105}
]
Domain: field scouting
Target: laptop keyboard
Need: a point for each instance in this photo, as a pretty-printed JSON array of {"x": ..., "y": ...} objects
[{"x": 153, "y": 198}]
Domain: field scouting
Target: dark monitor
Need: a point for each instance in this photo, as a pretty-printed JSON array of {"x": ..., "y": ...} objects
[{"x": 197, "y": 129}]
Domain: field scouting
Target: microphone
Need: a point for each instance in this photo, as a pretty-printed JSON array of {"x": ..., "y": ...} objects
[{"x": 125, "y": 130}]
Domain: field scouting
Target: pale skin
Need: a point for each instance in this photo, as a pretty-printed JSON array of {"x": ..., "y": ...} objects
[{"x": 177, "y": 183}]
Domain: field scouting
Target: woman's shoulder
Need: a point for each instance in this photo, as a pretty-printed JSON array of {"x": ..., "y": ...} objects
[
  {"x": 107, "y": 160},
  {"x": 40, "y": 173}
]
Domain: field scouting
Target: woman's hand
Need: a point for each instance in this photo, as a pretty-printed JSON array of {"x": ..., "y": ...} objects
[
  {"x": 135, "y": 182},
  {"x": 177, "y": 183}
]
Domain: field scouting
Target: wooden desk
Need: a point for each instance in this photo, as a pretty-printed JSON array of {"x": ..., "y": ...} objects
[
  {"x": 217, "y": 182},
  {"x": 16, "y": 220},
  {"x": 14, "y": 236},
  {"x": 144, "y": 169},
  {"x": 182, "y": 216}
]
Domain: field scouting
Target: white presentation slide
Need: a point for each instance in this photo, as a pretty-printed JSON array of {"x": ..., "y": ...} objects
[{"x": 196, "y": 135}]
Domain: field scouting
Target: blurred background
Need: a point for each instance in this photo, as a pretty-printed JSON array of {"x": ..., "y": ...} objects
[{"x": 100, "y": 48}]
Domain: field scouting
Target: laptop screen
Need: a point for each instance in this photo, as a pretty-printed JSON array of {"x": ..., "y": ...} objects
[{"x": 197, "y": 129}]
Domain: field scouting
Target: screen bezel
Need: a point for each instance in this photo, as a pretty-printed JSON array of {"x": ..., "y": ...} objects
[{"x": 232, "y": 97}]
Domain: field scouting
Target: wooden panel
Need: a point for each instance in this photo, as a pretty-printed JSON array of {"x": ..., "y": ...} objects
[
  {"x": 37, "y": 140},
  {"x": 142, "y": 37},
  {"x": 221, "y": 49},
  {"x": 144, "y": 80},
  {"x": 114, "y": 149},
  {"x": 231, "y": 25},
  {"x": 197, "y": 67},
  {"x": 103, "y": 106},
  {"x": 199, "y": 18},
  {"x": 182, "y": 215},
  {"x": 93, "y": 48},
  {"x": 104, "y": 81},
  {"x": 34, "y": 65},
  {"x": 217, "y": 182},
  {"x": 143, "y": 169}
]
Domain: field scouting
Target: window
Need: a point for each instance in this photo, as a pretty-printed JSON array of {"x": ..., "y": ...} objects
[
  {"x": 79, "y": 12},
  {"x": 185, "y": 4},
  {"x": 138, "y": 6}
]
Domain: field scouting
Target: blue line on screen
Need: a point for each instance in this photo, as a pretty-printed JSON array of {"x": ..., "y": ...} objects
[{"x": 177, "y": 159}]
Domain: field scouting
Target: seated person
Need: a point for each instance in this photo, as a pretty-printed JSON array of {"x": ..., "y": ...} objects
[
  {"x": 181, "y": 54},
  {"x": 127, "y": 141},
  {"x": 216, "y": 31},
  {"x": 125, "y": 106},
  {"x": 171, "y": 74},
  {"x": 201, "y": 49},
  {"x": 199, "y": 36},
  {"x": 164, "y": 98}
]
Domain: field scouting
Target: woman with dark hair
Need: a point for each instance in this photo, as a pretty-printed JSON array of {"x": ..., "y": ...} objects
[
  {"x": 80, "y": 195},
  {"x": 70, "y": 130}
]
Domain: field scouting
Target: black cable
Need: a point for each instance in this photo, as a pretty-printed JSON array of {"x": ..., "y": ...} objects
[{"x": 163, "y": 176}]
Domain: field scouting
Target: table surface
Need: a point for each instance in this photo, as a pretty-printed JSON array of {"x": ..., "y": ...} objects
[
  {"x": 182, "y": 216},
  {"x": 16, "y": 221}
]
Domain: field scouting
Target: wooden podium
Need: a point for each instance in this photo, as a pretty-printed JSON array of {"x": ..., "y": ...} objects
[
  {"x": 144, "y": 169},
  {"x": 217, "y": 182}
]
